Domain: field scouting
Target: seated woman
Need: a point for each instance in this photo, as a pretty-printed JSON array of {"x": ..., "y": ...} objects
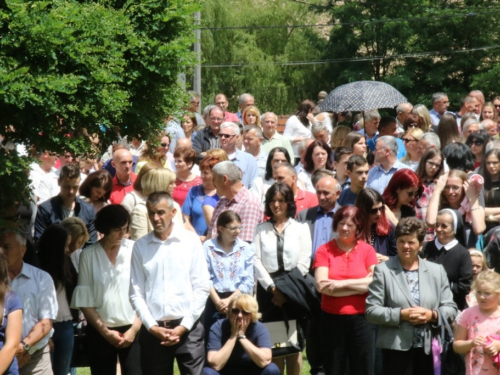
[
  {"x": 260, "y": 185},
  {"x": 185, "y": 179},
  {"x": 400, "y": 195},
  {"x": 453, "y": 256},
  {"x": 404, "y": 299},
  {"x": 240, "y": 344},
  {"x": 455, "y": 190},
  {"x": 376, "y": 230},
  {"x": 343, "y": 270},
  {"x": 96, "y": 189},
  {"x": 230, "y": 265},
  {"x": 318, "y": 155}
]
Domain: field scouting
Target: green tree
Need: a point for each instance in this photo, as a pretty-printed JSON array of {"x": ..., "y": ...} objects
[{"x": 68, "y": 68}]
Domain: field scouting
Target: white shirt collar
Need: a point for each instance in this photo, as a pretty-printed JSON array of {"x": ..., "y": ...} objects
[{"x": 448, "y": 246}]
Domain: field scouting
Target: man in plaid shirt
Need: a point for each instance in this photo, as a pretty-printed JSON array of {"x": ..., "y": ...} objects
[{"x": 235, "y": 197}]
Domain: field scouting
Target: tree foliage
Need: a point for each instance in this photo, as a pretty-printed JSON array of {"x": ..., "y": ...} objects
[
  {"x": 275, "y": 87},
  {"x": 68, "y": 68}
]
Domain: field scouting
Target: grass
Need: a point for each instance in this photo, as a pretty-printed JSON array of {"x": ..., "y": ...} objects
[{"x": 305, "y": 368}]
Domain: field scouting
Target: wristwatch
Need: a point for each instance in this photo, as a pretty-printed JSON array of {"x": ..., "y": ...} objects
[
  {"x": 241, "y": 337},
  {"x": 25, "y": 346},
  {"x": 270, "y": 288}
]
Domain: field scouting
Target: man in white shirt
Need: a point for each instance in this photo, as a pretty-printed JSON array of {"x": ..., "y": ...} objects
[
  {"x": 36, "y": 290},
  {"x": 169, "y": 287}
]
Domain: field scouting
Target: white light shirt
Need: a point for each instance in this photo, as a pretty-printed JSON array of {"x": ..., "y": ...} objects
[
  {"x": 170, "y": 278},
  {"x": 104, "y": 286},
  {"x": 297, "y": 247},
  {"x": 38, "y": 294}
]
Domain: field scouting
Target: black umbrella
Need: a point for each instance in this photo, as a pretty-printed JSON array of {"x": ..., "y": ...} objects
[{"x": 362, "y": 96}]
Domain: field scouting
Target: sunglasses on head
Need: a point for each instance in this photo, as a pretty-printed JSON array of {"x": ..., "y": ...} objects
[
  {"x": 236, "y": 311},
  {"x": 373, "y": 211}
]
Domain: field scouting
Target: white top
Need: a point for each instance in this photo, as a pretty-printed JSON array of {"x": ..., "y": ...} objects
[
  {"x": 49, "y": 185},
  {"x": 170, "y": 278},
  {"x": 259, "y": 189},
  {"x": 63, "y": 313},
  {"x": 38, "y": 294},
  {"x": 104, "y": 286},
  {"x": 295, "y": 129},
  {"x": 36, "y": 175},
  {"x": 305, "y": 177},
  {"x": 296, "y": 253},
  {"x": 139, "y": 220},
  {"x": 132, "y": 199}
]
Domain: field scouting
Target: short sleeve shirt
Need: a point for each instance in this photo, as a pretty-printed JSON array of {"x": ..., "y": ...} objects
[
  {"x": 12, "y": 303},
  {"x": 343, "y": 266},
  {"x": 256, "y": 332}
]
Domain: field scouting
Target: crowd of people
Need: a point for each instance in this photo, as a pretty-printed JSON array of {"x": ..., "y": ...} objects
[{"x": 355, "y": 237}]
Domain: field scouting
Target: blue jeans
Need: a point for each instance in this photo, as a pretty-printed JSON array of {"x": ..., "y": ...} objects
[{"x": 63, "y": 339}]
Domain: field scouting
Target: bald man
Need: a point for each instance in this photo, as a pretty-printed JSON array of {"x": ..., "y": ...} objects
[{"x": 124, "y": 177}]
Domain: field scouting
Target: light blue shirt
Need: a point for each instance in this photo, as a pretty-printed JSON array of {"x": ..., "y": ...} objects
[
  {"x": 261, "y": 160},
  {"x": 175, "y": 131},
  {"x": 435, "y": 116},
  {"x": 401, "y": 146},
  {"x": 378, "y": 178},
  {"x": 232, "y": 271},
  {"x": 322, "y": 229},
  {"x": 248, "y": 166}
]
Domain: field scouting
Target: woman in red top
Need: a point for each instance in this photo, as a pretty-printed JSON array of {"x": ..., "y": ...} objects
[
  {"x": 343, "y": 270},
  {"x": 185, "y": 158}
]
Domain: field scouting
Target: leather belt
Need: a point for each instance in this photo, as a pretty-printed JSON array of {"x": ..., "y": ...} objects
[{"x": 169, "y": 323}]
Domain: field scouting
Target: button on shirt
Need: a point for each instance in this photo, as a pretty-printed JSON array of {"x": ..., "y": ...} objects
[
  {"x": 322, "y": 229},
  {"x": 169, "y": 279},
  {"x": 378, "y": 178},
  {"x": 38, "y": 294}
]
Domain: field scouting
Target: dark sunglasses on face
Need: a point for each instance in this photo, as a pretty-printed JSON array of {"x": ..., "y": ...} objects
[
  {"x": 226, "y": 135},
  {"x": 477, "y": 142},
  {"x": 165, "y": 144},
  {"x": 373, "y": 211},
  {"x": 237, "y": 311}
]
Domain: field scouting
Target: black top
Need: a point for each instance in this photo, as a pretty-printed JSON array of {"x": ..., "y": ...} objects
[
  {"x": 492, "y": 199},
  {"x": 458, "y": 267}
]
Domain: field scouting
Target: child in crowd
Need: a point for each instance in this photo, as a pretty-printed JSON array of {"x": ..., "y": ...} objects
[
  {"x": 477, "y": 334},
  {"x": 478, "y": 265}
]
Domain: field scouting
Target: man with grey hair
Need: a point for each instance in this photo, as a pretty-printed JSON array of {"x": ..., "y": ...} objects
[
  {"x": 371, "y": 120},
  {"x": 470, "y": 126},
  {"x": 235, "y": 197},
  {"x": 480, "y": 98},
  {"x": 467, "y": 104},
  {"x": 221, "y": 101},
  {"x": 320, "y": 132},
  {"x": 228, "y": 137},
  {"x": 286, "y": 173},
  {"x": 403, "y": 110},
  {"x": 194, "y": 106},
  {"x": 428, "y": 141},
  {"x": 386, "y": 150},
  {"x": 440, "y": 104},
  {"x": 252, "y": 140},
  {"x": 491, "y": 127},
  {"x": 36, "y": 290},
  {"x": 245, "y": 100},
  {"x": 207, "y": 138},
  {"x": 272, "y": 138}
]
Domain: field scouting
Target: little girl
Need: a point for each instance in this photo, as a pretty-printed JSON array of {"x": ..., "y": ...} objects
[
  {"x": 478, "y": 265},
  {"x": 477, "y": 333}
]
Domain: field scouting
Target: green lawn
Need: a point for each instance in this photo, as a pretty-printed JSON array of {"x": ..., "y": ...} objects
[{"x": 305, "y": 369}]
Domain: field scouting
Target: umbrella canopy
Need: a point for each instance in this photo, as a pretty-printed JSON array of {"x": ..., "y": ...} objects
[{"x": 362, "y": 96}]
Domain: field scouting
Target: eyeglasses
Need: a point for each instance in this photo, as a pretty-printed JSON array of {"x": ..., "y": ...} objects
[
  {"x": 407, "y": 140},
  {"x": 216, "y": 119},
  {"x": 165, "y": 144},
  {"x": 442, "y": 225},
  {"x": 433, "y": 165},
  {"x": 453, "y": 188},
  {"x": 238, "y": 311},
  {"x": 477, "y": 142},
  {"x": 227, "y": 135},
  {"x": 413, "y": 126},
  {"x": 373, "y": 211},
  {"x": 234, "y": 229}
]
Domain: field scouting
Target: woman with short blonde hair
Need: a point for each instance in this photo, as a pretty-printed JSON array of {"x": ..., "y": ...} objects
[{"x": 251, "y": 116}]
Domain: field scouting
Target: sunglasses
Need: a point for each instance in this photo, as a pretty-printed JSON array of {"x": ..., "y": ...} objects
[
  {"x": 165, "y": 144},
  {"x": 407, "y": 140},
  {"x": 227, "y": 135},
  {"x": 413, "y": 126},
  {"x": 238, "y": 311},
  {"x": 373, "y": 211},
  {"x": 477, "y": 142}
]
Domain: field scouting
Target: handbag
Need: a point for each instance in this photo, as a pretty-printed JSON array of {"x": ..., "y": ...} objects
[
  {"x": 80, "y": 357},
  {"x": 286, "y": 337},
  {"x": 451, "y": 363}
]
